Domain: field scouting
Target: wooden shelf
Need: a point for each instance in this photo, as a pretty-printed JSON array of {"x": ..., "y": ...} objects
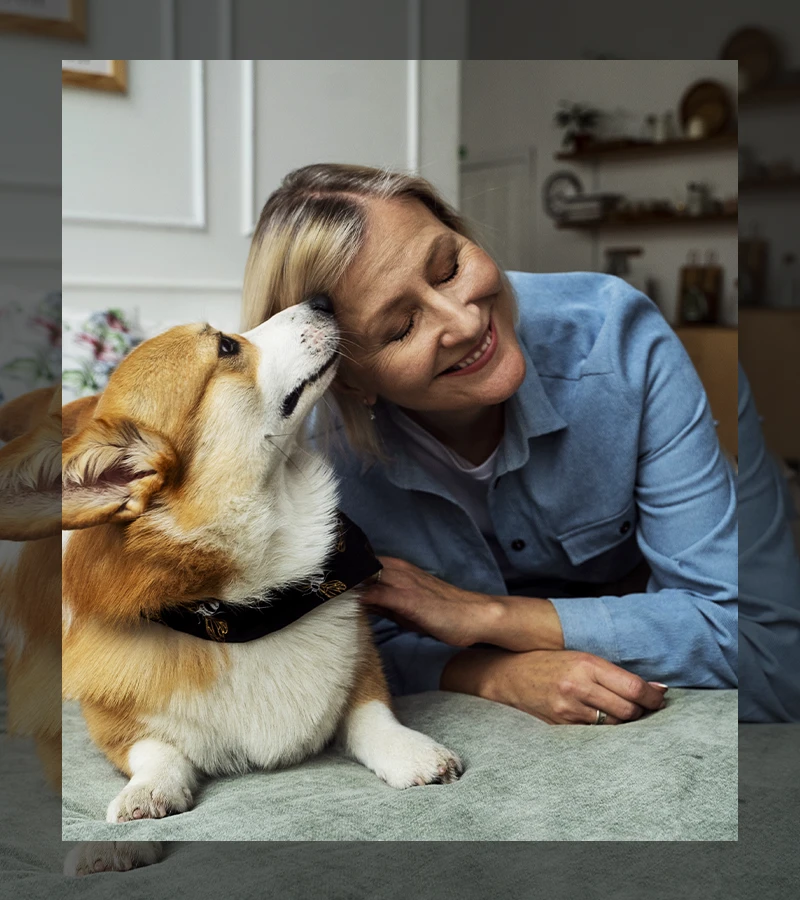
[
  {"x": 637, "y": 221},
  {"x": 611, "y": 150},
  {"x": 770, "y": 184}
]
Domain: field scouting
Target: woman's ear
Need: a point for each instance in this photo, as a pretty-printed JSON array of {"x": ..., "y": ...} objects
[
  {"x": 346, "y": 386},
  {"x": 111, "y": 471}
]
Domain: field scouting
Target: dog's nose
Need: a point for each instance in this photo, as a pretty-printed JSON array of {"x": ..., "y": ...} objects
[{"x": 321, "y": 303}]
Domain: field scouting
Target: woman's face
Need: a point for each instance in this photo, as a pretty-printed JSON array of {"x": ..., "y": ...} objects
[{"x": 425, "y": 315}]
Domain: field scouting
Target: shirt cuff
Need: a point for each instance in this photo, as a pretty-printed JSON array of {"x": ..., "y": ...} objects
[{"x": 587, "y": 626}]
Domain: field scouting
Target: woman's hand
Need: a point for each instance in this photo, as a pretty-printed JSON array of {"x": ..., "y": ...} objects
[
  {"x": 421, "y": 602},
  {"x": 561, "y": 687}
]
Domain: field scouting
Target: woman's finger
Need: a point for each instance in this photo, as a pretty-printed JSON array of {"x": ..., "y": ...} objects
[
  {"x": 628, "y": 686},
  {"x": 598, "y": 697}
]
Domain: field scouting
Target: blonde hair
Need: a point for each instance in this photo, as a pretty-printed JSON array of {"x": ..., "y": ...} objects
[{"x": 308, "y": 233}]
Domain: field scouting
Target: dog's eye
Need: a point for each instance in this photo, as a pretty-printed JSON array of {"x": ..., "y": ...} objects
[{"x": 227, "y": 346}]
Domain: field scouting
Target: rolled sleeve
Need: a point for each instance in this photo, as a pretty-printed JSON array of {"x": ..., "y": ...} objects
[{"x": 588, "y": 626}]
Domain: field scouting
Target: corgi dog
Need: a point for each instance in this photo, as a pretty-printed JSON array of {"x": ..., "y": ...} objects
[
  {"x": 30, "y": 598},
  {"x": 211, "y": 622},
  {"x": 30, "y": 570}
]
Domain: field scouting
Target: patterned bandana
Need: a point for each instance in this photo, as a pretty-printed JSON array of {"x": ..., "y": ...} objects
[{"x": 351, "y": 562}]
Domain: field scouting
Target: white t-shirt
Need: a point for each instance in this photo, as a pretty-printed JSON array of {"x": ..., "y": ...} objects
[{"x": 468, "y": 484}]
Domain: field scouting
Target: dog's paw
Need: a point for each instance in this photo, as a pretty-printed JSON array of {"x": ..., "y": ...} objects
[
  {"x": 111, "y": 856},
  {"x": 149, "y": 800},
  {"x": 415, "y": 759}
]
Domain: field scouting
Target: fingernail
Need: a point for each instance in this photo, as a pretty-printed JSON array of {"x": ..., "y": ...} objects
[{"x": 658, "y": 684}]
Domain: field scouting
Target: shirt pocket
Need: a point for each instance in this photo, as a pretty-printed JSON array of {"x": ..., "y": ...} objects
[{"x": 589, "y": 541}]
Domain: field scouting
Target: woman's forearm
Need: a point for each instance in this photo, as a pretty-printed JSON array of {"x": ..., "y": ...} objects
[
  {"x": 521, "y": 624},
  {"x": 470, "y": 672}
]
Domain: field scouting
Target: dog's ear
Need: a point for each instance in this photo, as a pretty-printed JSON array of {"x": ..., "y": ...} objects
[
  {"x": 111, "y": 471},
  {"x": 30, "y": 467},
  {"x": 18, "y": 416},
  {"x": 76, "y": 415}
]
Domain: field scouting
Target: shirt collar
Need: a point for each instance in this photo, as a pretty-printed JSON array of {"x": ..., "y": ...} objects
[{"x": 529, "y": 414}]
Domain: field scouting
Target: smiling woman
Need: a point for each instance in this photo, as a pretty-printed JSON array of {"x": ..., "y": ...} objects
[{"x": 533, "y": 455}]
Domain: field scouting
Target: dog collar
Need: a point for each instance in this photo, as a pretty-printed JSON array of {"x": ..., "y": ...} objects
[{"x": 351, "y": 562}]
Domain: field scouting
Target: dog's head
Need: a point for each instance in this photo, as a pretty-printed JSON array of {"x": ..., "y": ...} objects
[
  {"x": 30, "y": 466},
  {"x": 194, "y": 415}
]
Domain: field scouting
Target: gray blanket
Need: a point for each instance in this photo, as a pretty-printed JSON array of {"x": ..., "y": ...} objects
[
  {"x": 764, "y": 863},
  {"x": 671, "y": 776}
]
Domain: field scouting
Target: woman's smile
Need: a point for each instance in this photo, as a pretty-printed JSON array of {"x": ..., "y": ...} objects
[{"x": 478, "y": 357}]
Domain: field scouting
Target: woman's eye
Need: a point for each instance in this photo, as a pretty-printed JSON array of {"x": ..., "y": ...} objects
[
  {"x": 227, "y": 346},
  {"x": 453, "y": 272},
  {"x": 404, "y": 333}
]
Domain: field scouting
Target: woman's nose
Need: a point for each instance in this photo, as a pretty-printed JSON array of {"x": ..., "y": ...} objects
[{"x": 461, "y": 320}]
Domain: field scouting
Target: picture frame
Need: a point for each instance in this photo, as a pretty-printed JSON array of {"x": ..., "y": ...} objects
[
  {"x": 54, "y": 18},
  {"x": 97, "y": 74}
]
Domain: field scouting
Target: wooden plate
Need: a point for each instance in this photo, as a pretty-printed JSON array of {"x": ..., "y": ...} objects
[
  {"x": 757, "y": 53},
  {"x": 709, "y": 100}
]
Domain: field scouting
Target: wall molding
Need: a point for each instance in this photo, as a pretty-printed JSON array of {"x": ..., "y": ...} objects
[
  {"x": 248, "y": 138},
  {"x": 148, "y": 285},
  {"x": 169, "y": 41},
  {"x": 414, "y": 86},
  {"x": 225, "y": 29},
  {"x": 413, "y": 114},
  {"x": 197, "y": 221}
]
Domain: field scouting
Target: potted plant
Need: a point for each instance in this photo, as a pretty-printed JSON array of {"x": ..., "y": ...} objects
[{"x": 579, "y": 120}]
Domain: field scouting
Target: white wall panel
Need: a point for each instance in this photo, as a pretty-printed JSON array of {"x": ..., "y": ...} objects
[
  {"x": 311, "y": 110},
  {"x": 138, "y": 158},
  {"x": 165, "y": 224}
]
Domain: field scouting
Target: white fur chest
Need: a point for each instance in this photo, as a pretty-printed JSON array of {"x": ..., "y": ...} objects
[{"x": 279, "y": 699}]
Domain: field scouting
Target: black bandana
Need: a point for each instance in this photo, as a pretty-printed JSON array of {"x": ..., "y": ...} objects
[{"x": 351, "y": 562}]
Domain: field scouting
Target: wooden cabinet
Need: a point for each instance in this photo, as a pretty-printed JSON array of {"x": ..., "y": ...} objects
[
  {"x": 769, "y": 348},
  {"x": 714, "y": 352}
]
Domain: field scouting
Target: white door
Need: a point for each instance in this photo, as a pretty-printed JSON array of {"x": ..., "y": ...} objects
[{"x": 497, "y": 197}]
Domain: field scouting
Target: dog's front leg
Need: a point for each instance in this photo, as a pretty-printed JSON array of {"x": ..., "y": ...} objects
[
  {"x": 370, "y": 733},
  {"x": 111, "y": 856},
  {"x": 162, "y": 783}
]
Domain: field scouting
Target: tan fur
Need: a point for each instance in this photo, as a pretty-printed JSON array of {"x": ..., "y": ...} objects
[
  {"x": 20, "y": 415},
  {"x": 30, "y": 588},
  {"x": 370, "y": 682},
  {"x": 30, "y": 490},
  {"x": 76, "y": 415},
  {"x": 121, "y": 667}
]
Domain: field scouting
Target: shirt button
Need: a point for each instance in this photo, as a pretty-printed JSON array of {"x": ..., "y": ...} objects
[
  {"x": 625, "y": 528},
  {"x": 518, "y": 544}
]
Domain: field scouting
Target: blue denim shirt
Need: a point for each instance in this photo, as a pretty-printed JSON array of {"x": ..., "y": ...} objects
[
  {"x": 609, "y": 458},
  {"x": 769, "y": 573}
]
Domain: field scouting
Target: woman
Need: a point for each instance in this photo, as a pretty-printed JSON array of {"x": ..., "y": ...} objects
[{"x": 533, "y": 455}]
